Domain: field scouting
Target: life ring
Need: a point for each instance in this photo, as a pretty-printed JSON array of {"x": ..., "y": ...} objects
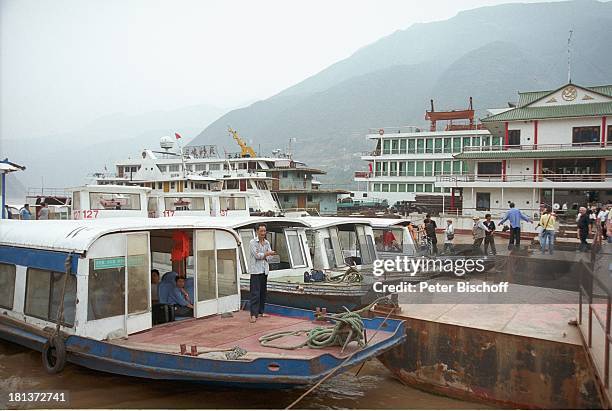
[
  {"x": 54, "y": 355},
  {"x": 381, "y": 131}
]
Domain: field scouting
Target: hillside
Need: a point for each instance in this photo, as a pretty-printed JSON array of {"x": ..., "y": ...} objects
[{"x": 488, "y": 53}]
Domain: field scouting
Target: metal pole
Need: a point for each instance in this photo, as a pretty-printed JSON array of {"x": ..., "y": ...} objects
[{"x": 4, "y": 196}]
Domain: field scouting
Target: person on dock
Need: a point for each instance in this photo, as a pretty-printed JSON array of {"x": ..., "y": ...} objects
[
  {"x": 514, "y": 217},
  {"x": 479, "y": 232},
  {"x": 584, "y": 228},
  {"x": 547, "y": 236},
  {"x": 489, "y": 240},
  {"x": 430, "y": 231},
  {"x": 449, "y": 237},
  {"x": 260, "y": 252},
  {"x": 25, "y": 213}
]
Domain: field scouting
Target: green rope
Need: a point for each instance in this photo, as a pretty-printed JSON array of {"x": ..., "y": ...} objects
[
  {"x": 348, "y": 327},
  {"x": 351, "y": 275}
]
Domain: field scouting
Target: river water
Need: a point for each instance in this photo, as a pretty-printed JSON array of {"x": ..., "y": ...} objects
[{"x": 375, "y": 388}]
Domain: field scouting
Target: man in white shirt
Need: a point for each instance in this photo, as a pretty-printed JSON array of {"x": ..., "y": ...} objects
[{"x": 259, "y": 253}]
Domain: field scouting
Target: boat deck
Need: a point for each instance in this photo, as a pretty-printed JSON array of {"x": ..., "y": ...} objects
[{"x": 225, "y": 332}]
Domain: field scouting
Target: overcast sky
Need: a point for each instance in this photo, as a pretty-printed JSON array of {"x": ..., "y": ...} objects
[{"x": 66, "y": 62}]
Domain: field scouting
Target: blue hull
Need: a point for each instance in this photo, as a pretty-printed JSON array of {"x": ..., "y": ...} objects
[{"x": 114, "y": 359}]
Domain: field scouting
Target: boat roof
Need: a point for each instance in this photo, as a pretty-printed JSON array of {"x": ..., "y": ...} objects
[
  {"x": 387, "y": 222},
  {"x": 113, "y": 188},
  {"x": 79, "y": 235},
  {"x": 324, "y": 222}
]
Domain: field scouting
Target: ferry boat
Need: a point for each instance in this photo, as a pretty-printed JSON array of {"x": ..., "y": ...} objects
[
  {"x": 80, "y": 291},
  {"x": 191, "y": 171},
  {"x": 289, "y": 280},
  {"x": 88, "y": 203}
]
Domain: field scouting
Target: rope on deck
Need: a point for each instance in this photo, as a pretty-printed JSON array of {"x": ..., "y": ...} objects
[
  {"x": 348, "y": 327},
  {"x": 351, "y": 275}
]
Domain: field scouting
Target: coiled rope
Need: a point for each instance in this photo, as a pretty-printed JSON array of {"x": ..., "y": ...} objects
[
  {"x": 351, "y": 275},
  {"x": 348, "y": 327}
]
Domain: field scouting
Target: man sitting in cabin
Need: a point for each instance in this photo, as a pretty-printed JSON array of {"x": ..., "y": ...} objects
[
  {"x": 179, "y": 297},
  {"x": 259, "y": 253}
]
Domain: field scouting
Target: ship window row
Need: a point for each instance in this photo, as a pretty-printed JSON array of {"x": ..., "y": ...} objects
[
  {"x": 419, "y": 168},
  {"x": 436, "y": 145},
  {"x": 408, "y": 188}
]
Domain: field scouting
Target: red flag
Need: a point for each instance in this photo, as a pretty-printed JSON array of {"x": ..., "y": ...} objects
[{"x": 177, "y": 135}]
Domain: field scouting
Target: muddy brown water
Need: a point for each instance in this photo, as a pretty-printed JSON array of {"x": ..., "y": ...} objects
[{"x": 374, "y": 388}]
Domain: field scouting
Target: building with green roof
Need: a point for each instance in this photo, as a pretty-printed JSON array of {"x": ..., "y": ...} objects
[{"x": 556, "y": 149}]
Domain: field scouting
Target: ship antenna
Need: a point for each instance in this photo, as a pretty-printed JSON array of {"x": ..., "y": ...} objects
[{"x": 569, "y": 62}]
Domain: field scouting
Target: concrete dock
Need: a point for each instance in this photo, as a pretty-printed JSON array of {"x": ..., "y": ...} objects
[{"x": 517, "y": 351}]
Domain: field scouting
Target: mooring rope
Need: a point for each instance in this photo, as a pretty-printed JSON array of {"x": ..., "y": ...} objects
[
  {"x": 351, "y": 275},
  {"x": 348, "y": 327}
]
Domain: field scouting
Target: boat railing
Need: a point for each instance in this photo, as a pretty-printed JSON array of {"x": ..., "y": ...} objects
[
  {"x": 47, "y": 192},
  {"x": 595, "y": 309},
  {"x": 531, "y": 147},
  {"x": 395, "y": 130}
]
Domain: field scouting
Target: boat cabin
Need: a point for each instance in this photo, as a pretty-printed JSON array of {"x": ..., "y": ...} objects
[
  {"x": 286, "y": 236},
  {"x": 392, "y": 237},
  {"x": 339, "y": 242},
  {"x": 198, "y": 204},
  {"x": 108, "y": 201},
  {"x": 105, "y": 267}
]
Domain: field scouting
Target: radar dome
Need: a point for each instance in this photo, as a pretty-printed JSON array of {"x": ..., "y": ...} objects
[{"x": 166, "y": 143}]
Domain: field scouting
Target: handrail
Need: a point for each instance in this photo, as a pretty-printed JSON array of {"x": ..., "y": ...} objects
[
  {"x": 550, "y": 177},
  {"x": 587, "y": 283},
  {"x": 529, "y": 147}
]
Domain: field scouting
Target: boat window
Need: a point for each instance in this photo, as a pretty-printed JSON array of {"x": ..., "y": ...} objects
[
  {"x": 7, "y": 285},
  {"x": 232, "y": 203},
  {"x": 366, "y": 256},
  {"x": 245, "y": 238},
  {"x": 337, "y": 249},
  {"x": 389, "y": 239},
  {"x": 185, "y": 203},
  {"x": 279, "y": 244},
  {"x": 312, "y": 245},
  {"x": 226, "y": 274},
  {"x": 76, "y": 200},
  {"x": 371, "y": 247},
  {"x": 296, "y": 247},
  {"x": 43, "y": 293},
  {"x": 105, "y": 288},
  {"x": 206, "y": 265},
  {"x": 231, "y": 184},
  {"x": 152, "y": 206},
  {"x": 262, "y": 185},
  {"x": 138, "y": 273},
  {"x": 329, "y": 251},
  {"x": 348, "y": 241},
  {"x": 114, "y": 201}
]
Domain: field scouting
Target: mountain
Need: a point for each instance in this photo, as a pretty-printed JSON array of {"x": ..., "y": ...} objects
[
  {"x": 488, "y": 53},
  {"x": 64, "y": 160}
]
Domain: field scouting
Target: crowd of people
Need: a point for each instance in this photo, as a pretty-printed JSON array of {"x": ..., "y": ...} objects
[{"x": 590, "y": 220}]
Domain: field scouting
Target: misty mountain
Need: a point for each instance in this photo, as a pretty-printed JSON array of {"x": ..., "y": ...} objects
[
  {"x": 64, "y": 160},
  {"x": 488, "y": 53}
]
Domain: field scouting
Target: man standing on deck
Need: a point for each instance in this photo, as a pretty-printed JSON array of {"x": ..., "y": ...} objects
[
  {"x": 259, "y": 253},
  {"x": 25, "y": 213},
  {"x": 514, "y": 216}
]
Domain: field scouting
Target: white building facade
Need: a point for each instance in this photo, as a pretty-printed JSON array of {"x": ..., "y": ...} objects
[
  {"x": 407, "y": 161},
  {"x": 556, "y": 148}
]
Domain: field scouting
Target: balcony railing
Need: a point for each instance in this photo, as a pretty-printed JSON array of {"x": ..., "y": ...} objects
[
  {"x": 527, "y": 178},
  {"x": 396, "y": 130},
  {"x": 535, "y": 147}
]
